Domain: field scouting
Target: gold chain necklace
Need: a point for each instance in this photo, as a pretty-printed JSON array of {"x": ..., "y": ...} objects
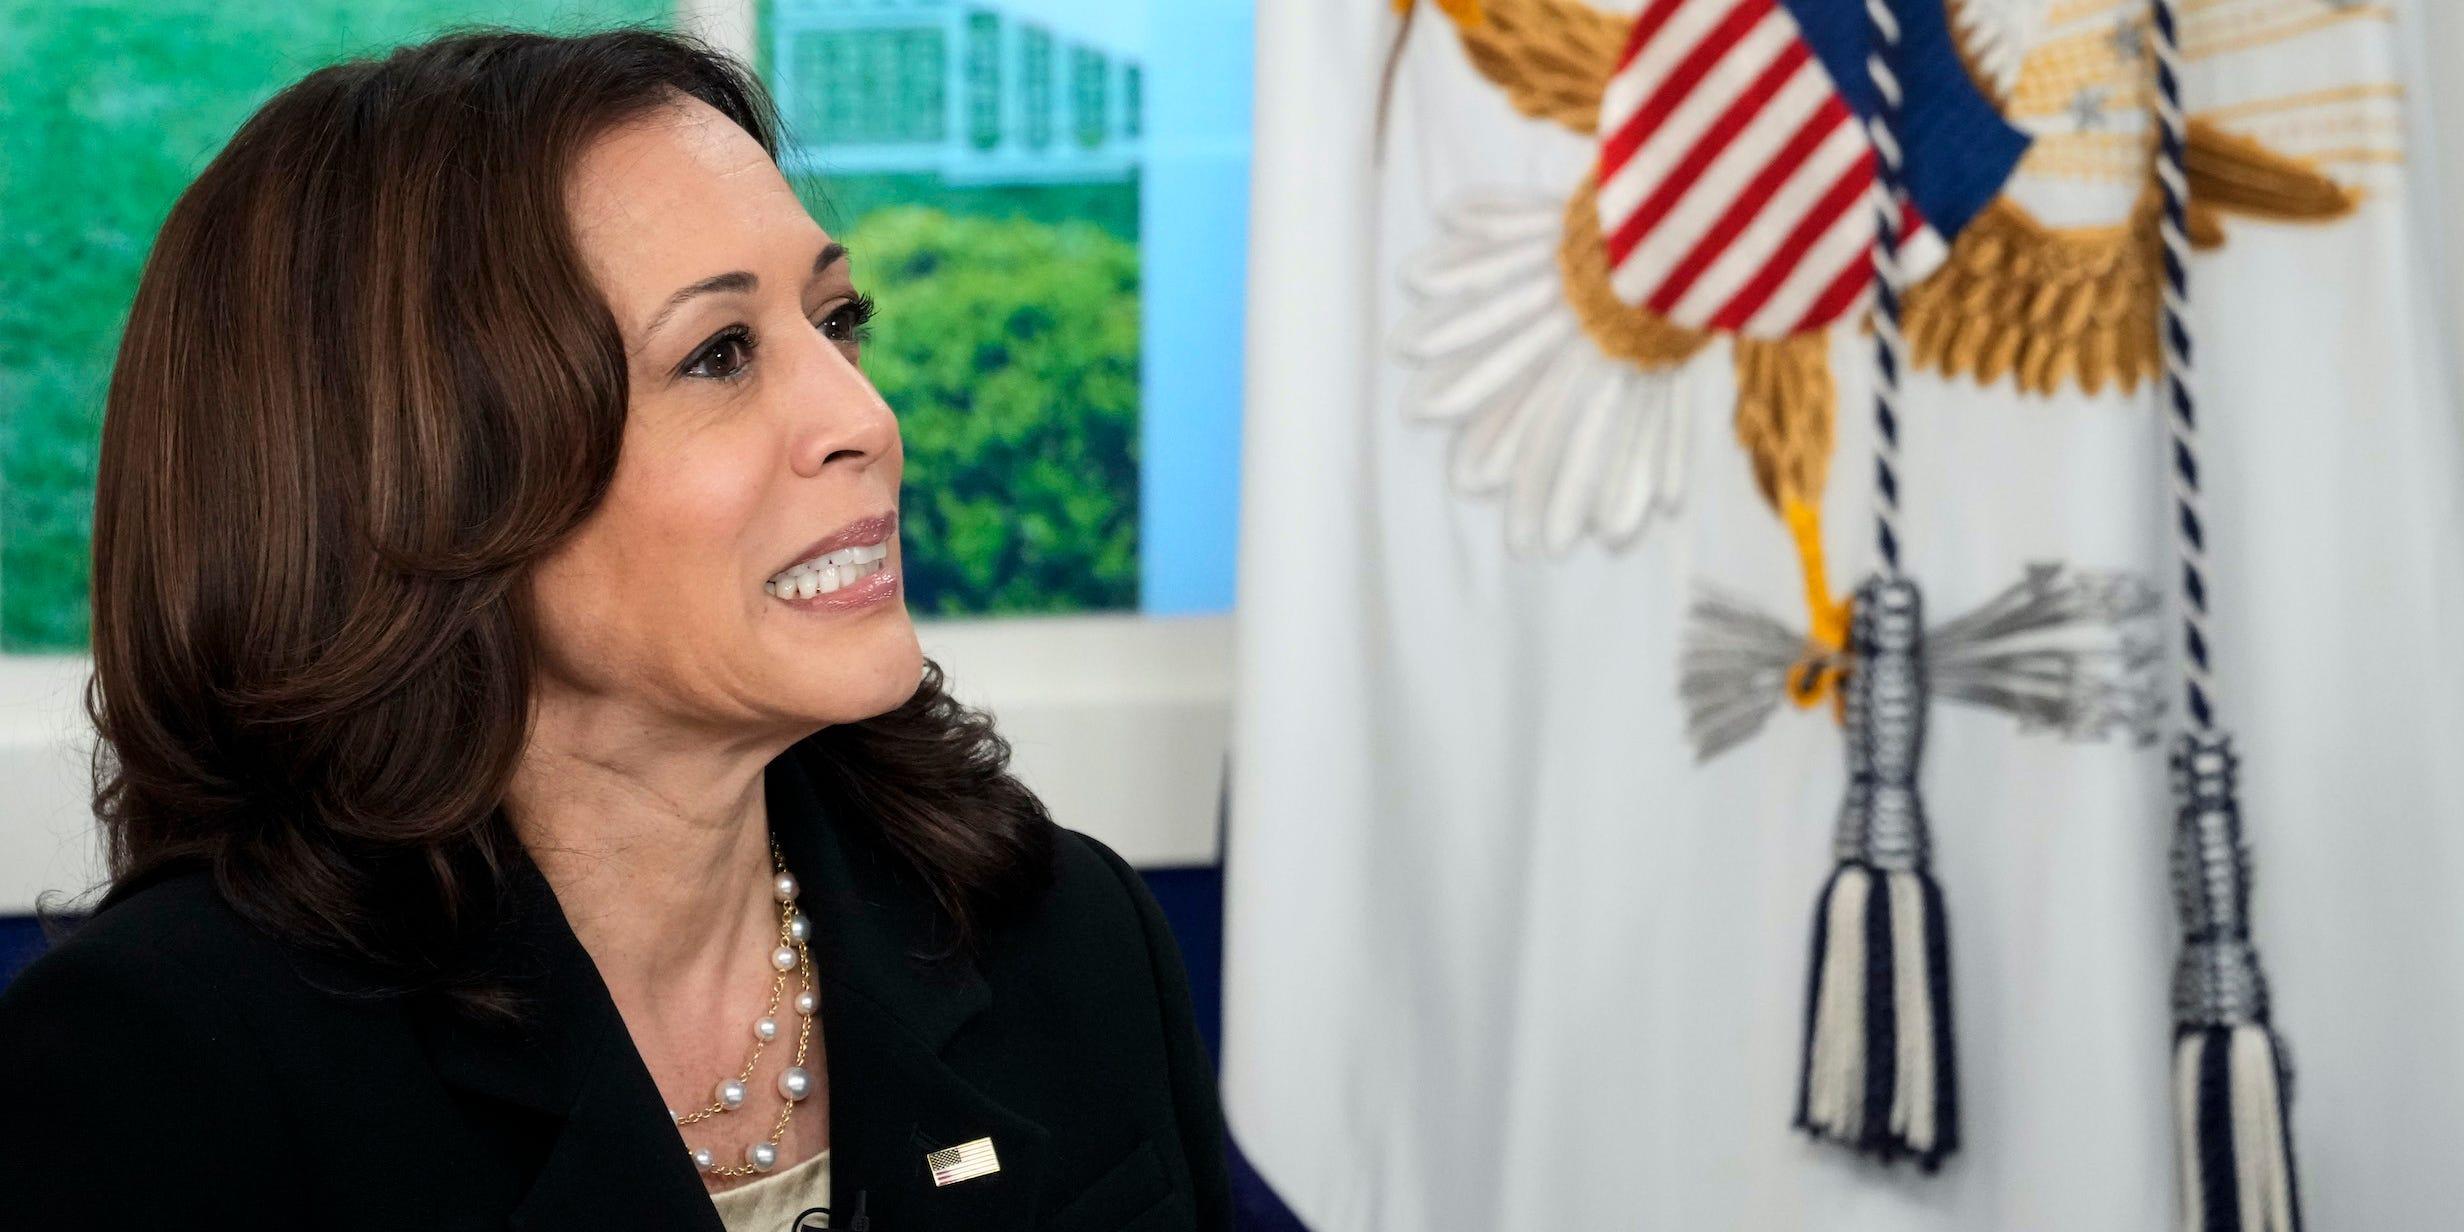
[{"x": 795, "y": 1084}]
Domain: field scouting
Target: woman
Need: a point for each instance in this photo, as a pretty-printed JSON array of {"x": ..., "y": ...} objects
[{"x": 522, "y": 805}]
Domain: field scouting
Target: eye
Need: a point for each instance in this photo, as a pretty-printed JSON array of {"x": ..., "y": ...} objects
[
  {"x": 723, "y": 358},
  {"x": 849, "y": 323}
]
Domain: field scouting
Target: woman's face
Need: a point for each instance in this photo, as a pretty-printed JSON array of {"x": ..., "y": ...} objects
[{"x": 743, "y": 573}]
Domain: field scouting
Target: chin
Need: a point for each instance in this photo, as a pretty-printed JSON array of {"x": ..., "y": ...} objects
[{"x": 872, "y": 674}]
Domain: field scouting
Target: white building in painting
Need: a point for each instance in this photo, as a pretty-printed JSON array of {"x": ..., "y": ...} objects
[{"x": 971, "y": 91}]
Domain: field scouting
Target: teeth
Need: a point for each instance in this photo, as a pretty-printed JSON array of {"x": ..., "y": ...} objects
[
  {"x": 828, "y": 572},
  {"x": 850, "y": 556}
]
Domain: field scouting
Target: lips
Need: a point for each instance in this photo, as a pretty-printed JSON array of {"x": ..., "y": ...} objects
[
  {"x": 835, "y": 564},
  {"x": 863, "y": 532},
  {"x": 829, "y": 573}
]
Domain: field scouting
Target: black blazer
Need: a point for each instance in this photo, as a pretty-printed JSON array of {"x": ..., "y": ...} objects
[{"x": 169, "y": 1066}]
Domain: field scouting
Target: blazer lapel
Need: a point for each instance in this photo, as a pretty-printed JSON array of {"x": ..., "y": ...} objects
[
  {"x": 587, "y": 1109},
  {"x": 607, "y": 1156},
  {"x": 889, "y": 1016}
]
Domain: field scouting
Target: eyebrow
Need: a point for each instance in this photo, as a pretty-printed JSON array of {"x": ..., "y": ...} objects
[{"x": 733, "y": 282}]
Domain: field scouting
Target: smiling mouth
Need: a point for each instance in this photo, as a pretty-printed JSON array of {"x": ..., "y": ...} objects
[{"x": 829, "y": 571}]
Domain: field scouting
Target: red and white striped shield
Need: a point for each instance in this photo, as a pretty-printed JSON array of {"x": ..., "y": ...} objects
[{"x": 1735, "y": 186}]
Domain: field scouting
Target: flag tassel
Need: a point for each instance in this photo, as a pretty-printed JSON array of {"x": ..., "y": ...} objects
[
  {"x": 2231, "y": 1086},
  {"x": 1878, "y": 1073},
  {"x": 2231, "y": 1083}
]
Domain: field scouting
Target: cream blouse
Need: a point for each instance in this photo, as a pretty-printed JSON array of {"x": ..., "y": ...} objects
[{"x": 772, "y": 1203}]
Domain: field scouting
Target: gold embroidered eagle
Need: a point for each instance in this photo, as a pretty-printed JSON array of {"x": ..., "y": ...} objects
[{"x": 2045, "y": 307}]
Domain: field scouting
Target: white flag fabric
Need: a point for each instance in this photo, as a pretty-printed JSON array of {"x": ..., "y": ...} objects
[{"x": 1501, "y": 953}]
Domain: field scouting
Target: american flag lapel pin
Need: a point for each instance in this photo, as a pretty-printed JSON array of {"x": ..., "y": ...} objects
[{"x": 964, "y": 1162}]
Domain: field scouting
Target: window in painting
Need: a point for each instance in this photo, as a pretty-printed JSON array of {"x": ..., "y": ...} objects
[
  {"x": 983, "y": 80},
  {"x": 1089, "y": 77}
]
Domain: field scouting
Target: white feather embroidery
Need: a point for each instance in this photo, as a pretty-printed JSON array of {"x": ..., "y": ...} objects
[{"x": 1573, "y": 440}]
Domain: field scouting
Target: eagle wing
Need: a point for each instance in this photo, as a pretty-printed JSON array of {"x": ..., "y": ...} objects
[
  {"x": 1784, "y": 391},
  {"x": 1570, "y": 409},
  {"x": 1551, "y": 57},
  {"x": 2048, "y": 306}
]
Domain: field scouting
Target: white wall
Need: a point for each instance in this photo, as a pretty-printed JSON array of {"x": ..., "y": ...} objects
[{"x": 46, "y": 842}]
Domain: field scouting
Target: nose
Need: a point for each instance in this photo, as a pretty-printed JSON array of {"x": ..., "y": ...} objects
[{"x": 839, "y": 418}]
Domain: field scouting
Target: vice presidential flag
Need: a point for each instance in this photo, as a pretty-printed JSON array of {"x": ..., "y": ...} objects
[{"x": 1504, "y": 949}]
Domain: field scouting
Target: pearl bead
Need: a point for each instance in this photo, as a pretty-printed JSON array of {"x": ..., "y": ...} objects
[
  {"x": 703, "y": 1160},
  {"x": 766, "y": 1030},
  {"x": 806, "y": 1003},
  {"x": 784, "y": 888},
  {"x": 795, "y": 1082},
  {"x": 674, "y": 1117},
  {"x": 783, "y": 958},
  {"x": 731, "y": 1093},
  {"x": 799, "y": 927},
  {"x": 762, "y": 1155}
]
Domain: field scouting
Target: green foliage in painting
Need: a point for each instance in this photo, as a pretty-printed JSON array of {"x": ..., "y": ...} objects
[
  {"x": 838, "y": 198},
  {"x": 1009, "y": 349},
  {"x": 1010, "y": 344},
  {"x": 110, "y": 108}
]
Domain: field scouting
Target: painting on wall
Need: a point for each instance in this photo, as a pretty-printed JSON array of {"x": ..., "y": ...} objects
[
  {"x": 112, "y": 107},
  {"x": 982, "y": 168},
  {"x": 1057, "y": 249}
]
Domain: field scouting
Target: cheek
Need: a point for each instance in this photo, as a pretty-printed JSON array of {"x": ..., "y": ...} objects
[
  {"x": 660, "y": 564},
  {"x": 691, "y": 509}
]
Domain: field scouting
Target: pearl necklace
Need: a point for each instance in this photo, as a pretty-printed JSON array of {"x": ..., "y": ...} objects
[{"x": 796, "y": 1082}]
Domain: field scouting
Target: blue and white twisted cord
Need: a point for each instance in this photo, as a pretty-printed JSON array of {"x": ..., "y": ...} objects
[
  {"x": 2190, "y": 526},
  {"x": 2232, "y": 1132},
  {"x": 1890, "y": 347}
]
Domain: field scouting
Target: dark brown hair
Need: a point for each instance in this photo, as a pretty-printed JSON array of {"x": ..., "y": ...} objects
[{"x": 365, "y": 384}]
